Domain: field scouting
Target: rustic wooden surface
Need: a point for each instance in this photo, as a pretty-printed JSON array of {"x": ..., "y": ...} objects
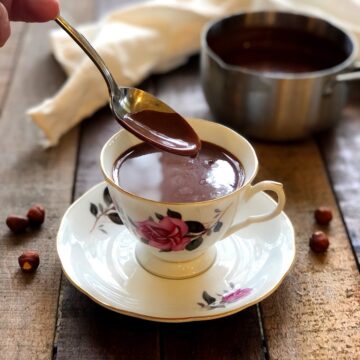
[
  {"x": 340, "y": 148},
  {"x": 315, "y": 314},
  {"x": 28, "y": 304},
  {"x": 8, "y": 60}
]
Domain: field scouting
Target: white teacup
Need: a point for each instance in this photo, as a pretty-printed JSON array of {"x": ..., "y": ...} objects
[{"x": 182, "y": 244}]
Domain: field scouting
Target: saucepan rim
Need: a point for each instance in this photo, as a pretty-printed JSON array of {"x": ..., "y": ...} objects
[{"x": 305, "y": 75}]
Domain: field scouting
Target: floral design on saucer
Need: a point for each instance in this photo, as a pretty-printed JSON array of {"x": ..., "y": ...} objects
[
  {"x": 221, "y": 300},
  {"x": 171, "y": 233},
  {"x": 101, "y": 212}
]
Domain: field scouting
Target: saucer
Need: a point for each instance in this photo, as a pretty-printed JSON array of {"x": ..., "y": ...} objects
[{"x": 97, "y": 254}]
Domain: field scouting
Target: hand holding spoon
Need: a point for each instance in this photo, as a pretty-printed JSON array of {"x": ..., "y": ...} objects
[{"x": 145, "y": 116}]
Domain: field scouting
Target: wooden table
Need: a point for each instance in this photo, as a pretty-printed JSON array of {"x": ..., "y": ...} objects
[{"x": 315, "y": 314}]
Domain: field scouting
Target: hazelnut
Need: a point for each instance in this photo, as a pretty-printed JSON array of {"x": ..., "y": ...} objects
[
  {"x": 29, "y": 261},
  {"x": 36, "y": 215},
  {"x": 17, "y": 223},
  {"x": 323, "y": 215},
  {"x": 319, "y": 242}
]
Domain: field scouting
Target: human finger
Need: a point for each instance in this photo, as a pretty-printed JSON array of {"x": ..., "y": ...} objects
[
  {"x": 4, "y": 25},
  {"x": 32, "y": 10}
]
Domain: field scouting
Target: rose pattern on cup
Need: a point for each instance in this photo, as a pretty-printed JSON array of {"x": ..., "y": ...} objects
[
  {"x": 222, "y": 300},
  {"x": 168, "y": 233},
  {"x": 101, "y": 211},
  {"x": 171, "y": 233}
]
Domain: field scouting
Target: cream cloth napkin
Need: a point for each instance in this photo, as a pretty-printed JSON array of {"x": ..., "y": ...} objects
[
  {"x": 152, "y": 37},
  {"x": 136, "y": 41}
]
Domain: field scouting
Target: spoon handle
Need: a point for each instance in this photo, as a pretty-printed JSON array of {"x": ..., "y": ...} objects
[{"x": 90, "y": 51}]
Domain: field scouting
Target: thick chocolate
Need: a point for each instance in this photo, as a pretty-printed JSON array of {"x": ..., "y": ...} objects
[
  {"x": 167, "y": 131},
  {"x": 277, "y": 50},
  {"x": 157, "y": 175}
]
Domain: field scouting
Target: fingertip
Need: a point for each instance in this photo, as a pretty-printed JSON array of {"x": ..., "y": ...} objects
[
  {"x": 44, "y": 10},
  {"x": 53, "y": 9},
  {"x": 4, "y": 25},
  {"x": 35, "y": 11}
]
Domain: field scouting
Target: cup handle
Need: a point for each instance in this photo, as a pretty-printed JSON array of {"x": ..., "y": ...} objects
[{"x": 267, "y": 185}]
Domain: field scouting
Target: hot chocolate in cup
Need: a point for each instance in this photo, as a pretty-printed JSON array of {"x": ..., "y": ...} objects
[{"x": 177, "y": 240}]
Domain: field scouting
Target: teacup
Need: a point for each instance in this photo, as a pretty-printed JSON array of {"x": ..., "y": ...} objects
[{"x": 193, "y": 228}]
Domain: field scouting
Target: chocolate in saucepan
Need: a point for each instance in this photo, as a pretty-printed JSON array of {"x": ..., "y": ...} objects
[{"x": 277, "y": 50}]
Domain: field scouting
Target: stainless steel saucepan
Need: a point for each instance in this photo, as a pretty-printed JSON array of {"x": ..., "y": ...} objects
[{"x": 276, "y": 75}]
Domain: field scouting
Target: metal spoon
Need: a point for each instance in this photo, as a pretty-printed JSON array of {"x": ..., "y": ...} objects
[{"x": 139, "y": 112}]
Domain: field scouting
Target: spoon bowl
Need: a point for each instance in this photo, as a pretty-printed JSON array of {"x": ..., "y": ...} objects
[
  {"x": 151, "y": 120},
  {"x": 139, "y": 112}
]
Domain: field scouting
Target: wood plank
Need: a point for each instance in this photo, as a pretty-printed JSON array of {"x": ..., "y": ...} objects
[
  {"x": 88, "y": 331},
  {"x": 341, "y": 151},
  {"x": 8, "y": 59},
  {"x": 29, "y": 174},
  {"x": 85, "y": 329},
  {"x": 315, "y": 314},
  {"x": 235, "y": 337},
  {"x": 231, "y": 338}
]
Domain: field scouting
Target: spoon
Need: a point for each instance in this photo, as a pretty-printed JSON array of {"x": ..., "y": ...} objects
[{"x": 139, "y": 112}]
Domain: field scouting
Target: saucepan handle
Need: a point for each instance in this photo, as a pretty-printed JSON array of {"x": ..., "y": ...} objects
[{"x": 352, "y": 75}]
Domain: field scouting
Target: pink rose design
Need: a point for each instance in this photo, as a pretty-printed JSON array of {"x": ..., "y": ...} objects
[
  {"x": 168, "y": 234},
  {"x": 235, "y": 295}
]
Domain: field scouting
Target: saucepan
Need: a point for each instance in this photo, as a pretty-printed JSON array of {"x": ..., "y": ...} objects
[{"x": 277, "y": 75}]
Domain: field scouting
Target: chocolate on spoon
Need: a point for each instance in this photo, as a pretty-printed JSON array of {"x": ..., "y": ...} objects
[{"x": 139, "y": 112}]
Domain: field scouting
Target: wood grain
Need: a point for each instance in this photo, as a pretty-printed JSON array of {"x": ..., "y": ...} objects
[
  {"x": 8, "y": 59},
  {"x": 29, "y": 174},
  {"x": 341, "y": 151},
  {"x": 231, "y": 338},
  {"x": 315, "y": 314},
  {"x": 86, "y": 330}
]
